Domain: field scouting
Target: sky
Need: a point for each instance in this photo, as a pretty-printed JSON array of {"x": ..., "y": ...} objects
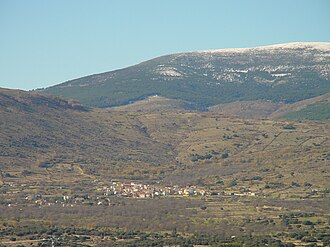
[{"x": 43, "y": 43}]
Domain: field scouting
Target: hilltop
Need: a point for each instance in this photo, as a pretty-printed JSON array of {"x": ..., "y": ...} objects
[{"x": 18, "y": 100}]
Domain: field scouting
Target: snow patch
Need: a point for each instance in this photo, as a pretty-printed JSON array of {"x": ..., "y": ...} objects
[
  {"x": 281, "y": 75},
  {"x": 168, "y": 71}
]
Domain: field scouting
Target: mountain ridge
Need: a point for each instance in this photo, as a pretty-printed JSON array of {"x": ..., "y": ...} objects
[
  {"x": 291, "y": 45},
  {"x": 281, "y": 73}
]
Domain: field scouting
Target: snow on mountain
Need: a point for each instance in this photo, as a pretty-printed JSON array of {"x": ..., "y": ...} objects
[{"x": 322, "y": 46}]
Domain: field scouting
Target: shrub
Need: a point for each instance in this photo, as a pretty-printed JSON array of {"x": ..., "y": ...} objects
[
  {"x": 308, "y": 223},
  {"x": 225, "y": 155}
]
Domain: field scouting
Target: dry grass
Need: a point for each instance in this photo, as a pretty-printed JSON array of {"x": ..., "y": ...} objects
[{"x": 64, "y": 151}]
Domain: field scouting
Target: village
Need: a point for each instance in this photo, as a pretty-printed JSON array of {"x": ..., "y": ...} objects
[
  {"x": 100, "y": 195},
  {"x": 105, "y": 194},
  {"x": 138, "y": 190}
]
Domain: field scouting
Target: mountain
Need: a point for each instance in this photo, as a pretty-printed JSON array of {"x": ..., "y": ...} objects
[{"x": 278, "y": 73}]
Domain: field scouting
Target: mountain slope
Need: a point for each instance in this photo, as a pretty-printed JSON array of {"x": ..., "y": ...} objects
[
  {"x": 109, "y": 144},
  {"x": 17, "y": 100},
  {"x": 279, "y": 73},
  {"x": 158, "y": 104},
  {"x": 41, "y": 132},
  {"x": 317, "y": 108},
  {"x": 57, "y": 165},
  {"x": 247, "y": 109}
]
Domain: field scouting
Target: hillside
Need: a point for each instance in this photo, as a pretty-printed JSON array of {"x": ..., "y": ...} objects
[
  {"x": 21, "y": 101},
  {"x": 131, "y": 174},
  {"x": 280, "y": 73},
  {"x": 317, "y": 108},
  {"x": 43, "y": 132},
  {"x": 247, "y": 109},
  {"x": 158, "y": 104}
]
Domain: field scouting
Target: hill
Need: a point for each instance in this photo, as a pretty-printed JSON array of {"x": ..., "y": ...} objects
[
  {"x": 123, "y": 174},
  {"x": 158, "y": 104},
  {"x": 21, "y": 101},
  {"x": 317, "y": 108},
  {"x": 247, "y": 109},
  {"x": 279, "y": 73},
  {"x": 42, "y": 132},
  {"x": 45, "y": 133}
]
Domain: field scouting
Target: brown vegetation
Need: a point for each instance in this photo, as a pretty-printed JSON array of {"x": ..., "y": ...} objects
[{"x": 255, "y": 171}]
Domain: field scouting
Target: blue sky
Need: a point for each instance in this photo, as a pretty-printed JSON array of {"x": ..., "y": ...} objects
[{"x": 44, "y": 43}]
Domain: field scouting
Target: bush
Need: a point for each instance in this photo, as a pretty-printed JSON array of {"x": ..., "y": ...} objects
[
  {"x": 196, "y": 157},
  {"x": 225, "y": 155},
  {"x": 308, "y": 223}
]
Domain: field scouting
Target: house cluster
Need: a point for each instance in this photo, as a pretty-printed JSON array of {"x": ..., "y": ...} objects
[
  {"x": 115, "y": 189},
  {"x": 137, "y": 190}
]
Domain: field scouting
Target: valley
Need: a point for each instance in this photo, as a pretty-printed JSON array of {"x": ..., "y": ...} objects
[
  {"x": 165, "y": 123},
  {"x": 175, "y": 173}
]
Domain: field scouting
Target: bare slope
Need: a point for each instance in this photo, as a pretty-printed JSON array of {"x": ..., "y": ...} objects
[
  {"x": 39, "y": 132},
  {"x": 247, "y": 109},
  {"x": 174, "y": 146}
]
